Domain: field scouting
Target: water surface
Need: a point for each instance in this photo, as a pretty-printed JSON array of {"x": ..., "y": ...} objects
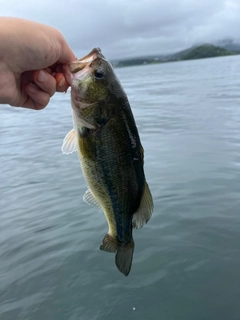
[{"x": 187, "y": 258}]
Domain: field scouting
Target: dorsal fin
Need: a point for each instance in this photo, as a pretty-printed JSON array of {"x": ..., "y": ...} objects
[{"x": 144, "y": 212}]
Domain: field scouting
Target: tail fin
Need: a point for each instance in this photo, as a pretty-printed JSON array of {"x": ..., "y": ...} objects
[
  {"x": 123, "y": 258},
  {"x": 124, "y": 253}
]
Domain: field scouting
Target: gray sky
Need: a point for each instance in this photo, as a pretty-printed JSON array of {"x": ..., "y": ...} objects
[{"x": 131, "y": 28}]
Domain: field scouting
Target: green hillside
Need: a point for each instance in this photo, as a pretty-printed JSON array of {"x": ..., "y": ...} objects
[
  {"x": 206, "y": 51},
  {"x": 197, "y": 52}
]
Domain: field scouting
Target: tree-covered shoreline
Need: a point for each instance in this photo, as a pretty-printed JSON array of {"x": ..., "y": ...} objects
[{"x": 199, "y": 52}]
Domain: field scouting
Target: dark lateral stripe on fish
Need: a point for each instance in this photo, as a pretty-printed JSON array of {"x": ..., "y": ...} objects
[{"x": 124, "y": 231}]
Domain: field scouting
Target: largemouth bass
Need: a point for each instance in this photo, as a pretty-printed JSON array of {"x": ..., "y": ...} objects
[{"x": 111, "y": 155}]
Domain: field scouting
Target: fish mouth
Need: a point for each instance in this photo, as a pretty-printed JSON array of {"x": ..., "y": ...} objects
[
  {"x": 73, "y": 68},
  {"x": 80, "y": 64},
  {"x": 80, "y": 70}
]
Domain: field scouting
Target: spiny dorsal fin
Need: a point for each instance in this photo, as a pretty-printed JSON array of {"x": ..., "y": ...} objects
[
  {"x": 69, "y": 143},
  {"x": 89, "y": 198},
  {"x": 144, "y": 212}
]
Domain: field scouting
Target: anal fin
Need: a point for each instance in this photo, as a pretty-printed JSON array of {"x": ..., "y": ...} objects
[{"x": 109, "y": 244}]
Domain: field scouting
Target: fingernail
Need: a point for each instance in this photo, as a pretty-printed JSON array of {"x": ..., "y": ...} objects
[
  {"x": 62, "y": 82},
  {"x": 42, "y": 76},
  {"x": 32, "y": 88}
]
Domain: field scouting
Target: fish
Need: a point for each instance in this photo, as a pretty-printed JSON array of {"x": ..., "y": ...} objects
[{"x": 107, "y": 141}]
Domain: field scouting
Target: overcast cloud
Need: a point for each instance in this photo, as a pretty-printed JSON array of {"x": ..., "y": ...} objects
[{"x": 131, "y": 28}]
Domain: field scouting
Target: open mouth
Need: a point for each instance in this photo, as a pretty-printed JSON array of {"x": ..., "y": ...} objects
[
  {"x": 80, "y": 64},
  {"x": 72, "y": 69},
  {"x": 81, "y": 68},
  {"x": 79, "y": 73}
]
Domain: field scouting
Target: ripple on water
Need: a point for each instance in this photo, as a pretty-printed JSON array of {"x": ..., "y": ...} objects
[{"x": 186, "y": 259}]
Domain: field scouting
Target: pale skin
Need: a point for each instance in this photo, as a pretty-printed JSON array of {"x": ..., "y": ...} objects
[{"x": 32, "y": 59}]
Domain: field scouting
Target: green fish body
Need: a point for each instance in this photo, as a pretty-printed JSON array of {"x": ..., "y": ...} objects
[{"x": 110, "y": 152}]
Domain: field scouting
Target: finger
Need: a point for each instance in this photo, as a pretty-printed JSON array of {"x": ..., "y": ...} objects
[
  {"x": 62, "y": 70},
  {"x": 62, "y": 84},
  {"x": 49, "y": 70},
  {"x": 37, "y": 98},
  {"x": 45, "y": 81}
]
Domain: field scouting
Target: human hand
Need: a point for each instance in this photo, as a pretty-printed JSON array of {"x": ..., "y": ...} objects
[{"x": 32, "y": 57}]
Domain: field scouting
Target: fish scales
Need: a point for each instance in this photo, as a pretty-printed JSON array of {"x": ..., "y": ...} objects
[
  {"x": 110, "y": 152},
  {"x": 110, "y": 162}
]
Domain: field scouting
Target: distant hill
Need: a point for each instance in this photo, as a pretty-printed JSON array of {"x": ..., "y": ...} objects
[
  {"x": 134, "y": 62},
  {"x": 227, "y": 47},
  {"x": 229, "y": 44},
  {"x": 206, "y": 51},
  {"x": 178, "y": 55}
]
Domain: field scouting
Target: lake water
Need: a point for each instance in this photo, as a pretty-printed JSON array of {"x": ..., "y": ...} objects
[{"x": 186, "y": 262}]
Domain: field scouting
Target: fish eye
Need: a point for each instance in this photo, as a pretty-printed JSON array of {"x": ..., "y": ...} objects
[{"x": 99, "y": 74}]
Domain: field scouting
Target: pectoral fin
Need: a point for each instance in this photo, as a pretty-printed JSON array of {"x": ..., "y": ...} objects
[
  {"x": 144, "y": 212},
  {"x": 89, "y": 198},
  {"x": 69, "y": 143}
]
